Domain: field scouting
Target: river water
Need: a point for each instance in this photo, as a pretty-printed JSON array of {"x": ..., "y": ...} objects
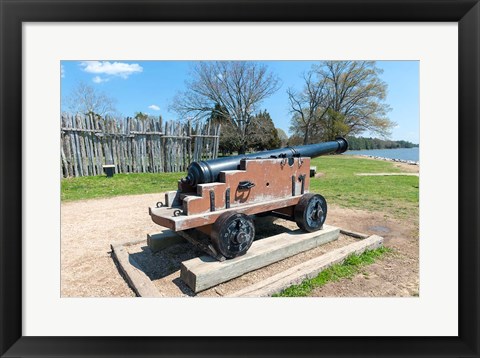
[{"x": 410, "y": 154}]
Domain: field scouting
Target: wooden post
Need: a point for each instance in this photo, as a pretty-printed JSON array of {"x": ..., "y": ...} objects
[
  {"x": 63, "y": 142},
  {"x": 128, "y": 147},
  {"x": 98, "y": 143},
  {"x": 160, "y": 148},
  {"x": 164, "y": 148},
  {"x": 83, "y": 152},
  {"x": 189, "y": 142},
  {"x": 68, "y": 147},
  {"x": 134, "y": 147},
  {"x": 64, "y": 168},
  {"x": 78, "y": 146}
]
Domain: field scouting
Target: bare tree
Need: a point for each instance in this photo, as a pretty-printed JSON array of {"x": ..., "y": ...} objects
[
  {"x": 340, "y": 98},
  {"x": 86, "y": 100},
  {"x": 237, "y": 86},
  {"x": 310, "y": 106}
]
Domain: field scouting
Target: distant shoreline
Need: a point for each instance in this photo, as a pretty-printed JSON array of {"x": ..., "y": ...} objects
[{"x": 411, "y": 162}]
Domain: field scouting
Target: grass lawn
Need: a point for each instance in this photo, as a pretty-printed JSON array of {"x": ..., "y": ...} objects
[
  {"x": 119, "y": 184},
  {"x": 396, "y": 195}
]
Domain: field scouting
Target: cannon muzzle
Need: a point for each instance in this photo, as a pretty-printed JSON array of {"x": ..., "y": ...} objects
[{"x": 209, "y": 170}]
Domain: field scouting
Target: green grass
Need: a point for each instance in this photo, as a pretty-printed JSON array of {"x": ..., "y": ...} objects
[
  {"x": 119, "y": 184},
  {"x": 350, "y": 267},
  {"x": 396, "y": 195}
]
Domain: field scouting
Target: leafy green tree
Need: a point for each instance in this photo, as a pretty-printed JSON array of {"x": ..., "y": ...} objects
[
  {"x": 262, "y": 134},
  {"x": 295, "y": 140},
  {"x": 141, "y": 116}
]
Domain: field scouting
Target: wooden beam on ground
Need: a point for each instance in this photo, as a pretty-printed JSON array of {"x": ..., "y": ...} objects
[
  {"x": 355, "y": 234},
  {"x": 308, "y": 269},
  {"x": 136, "y": 278},
  {"x": 162, "y": 240},
  {"x": 204, "y": 272}
]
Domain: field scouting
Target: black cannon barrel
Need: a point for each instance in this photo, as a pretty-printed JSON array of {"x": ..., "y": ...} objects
[{"x": 208, "y": 171}]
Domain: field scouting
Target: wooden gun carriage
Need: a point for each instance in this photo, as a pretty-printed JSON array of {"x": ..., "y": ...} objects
[{"x": 215, "y": 205}]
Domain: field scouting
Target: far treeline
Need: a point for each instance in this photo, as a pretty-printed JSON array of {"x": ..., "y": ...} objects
[{"x": 360, "y": 143}]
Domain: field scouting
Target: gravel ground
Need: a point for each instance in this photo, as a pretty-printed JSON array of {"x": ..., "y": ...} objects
[{"x": 88, "y": 228}]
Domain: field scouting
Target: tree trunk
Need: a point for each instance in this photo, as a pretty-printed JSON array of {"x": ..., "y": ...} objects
[
  {"x": 305, "y": 137},
  {"x": 243, "y": 134},
  {"x": 242, "y": 149}
]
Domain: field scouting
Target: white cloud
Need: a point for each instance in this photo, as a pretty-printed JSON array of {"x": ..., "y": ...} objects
[
  {"x": 154, "y": 107},
  {"x": 98, "y": 79},
  {"x": 118, "y": 69},
  {"x": 62, "y": 71}
]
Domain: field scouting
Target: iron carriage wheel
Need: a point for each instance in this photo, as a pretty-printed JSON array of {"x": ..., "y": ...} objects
[
  {"x": 310, "y": 212},
  {"x": 233, "y": 234}
]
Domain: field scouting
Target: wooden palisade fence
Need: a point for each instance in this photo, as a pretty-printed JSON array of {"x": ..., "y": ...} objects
[{"x": 133, "y": 145}]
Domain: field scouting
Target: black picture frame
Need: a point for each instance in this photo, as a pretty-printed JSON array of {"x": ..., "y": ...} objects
[{"x": 15, "y": 12}]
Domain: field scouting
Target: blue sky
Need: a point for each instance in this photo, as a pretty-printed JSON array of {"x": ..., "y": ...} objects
[{"x": 149, "y": 87}]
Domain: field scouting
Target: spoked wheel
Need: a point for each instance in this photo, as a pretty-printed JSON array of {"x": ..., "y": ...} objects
[
  {"x": 311, "y": 212},
  {"x": 233, "y": 234}
]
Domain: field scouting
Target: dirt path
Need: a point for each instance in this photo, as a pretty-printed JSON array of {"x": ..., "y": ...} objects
[{"x": 89, "y": 227}]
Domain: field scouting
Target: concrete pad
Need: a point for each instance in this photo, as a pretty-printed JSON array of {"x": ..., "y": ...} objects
[{"x": 204, "y": 272}]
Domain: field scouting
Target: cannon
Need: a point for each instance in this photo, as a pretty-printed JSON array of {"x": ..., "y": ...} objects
[
  {"x": 209, "y": 171},
  {"x": 216, "y": 203}
]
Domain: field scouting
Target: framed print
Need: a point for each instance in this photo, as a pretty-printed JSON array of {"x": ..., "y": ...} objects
[{"x": 39, "y": 42}]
